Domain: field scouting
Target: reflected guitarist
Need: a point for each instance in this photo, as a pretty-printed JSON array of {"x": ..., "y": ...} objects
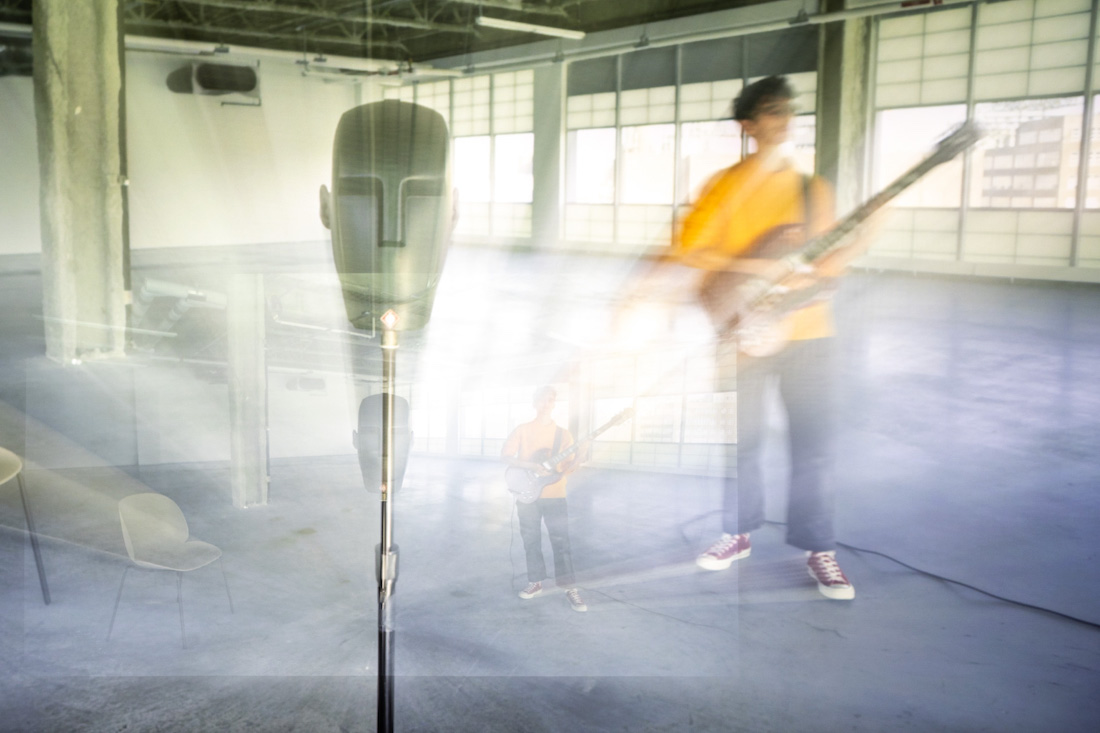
[
  {"x": 527, "y": 448},
  {"x": 746, "y": 216}
]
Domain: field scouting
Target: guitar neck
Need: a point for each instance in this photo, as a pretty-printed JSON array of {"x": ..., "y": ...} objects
[
  {"x": 555, "y": 460},
  {"x": 822, "y": 245}
]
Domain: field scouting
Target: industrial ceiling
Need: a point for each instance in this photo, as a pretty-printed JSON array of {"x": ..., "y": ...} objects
[{"x": 396, "y": 30}]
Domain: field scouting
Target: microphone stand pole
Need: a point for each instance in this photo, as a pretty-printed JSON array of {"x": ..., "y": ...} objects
[{"x": 385, "y": 554}]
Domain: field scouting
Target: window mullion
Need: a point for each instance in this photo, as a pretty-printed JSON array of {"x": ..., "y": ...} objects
[
  {"x": 1084, "y": 159},
  {"x": 968, "y": 157}
]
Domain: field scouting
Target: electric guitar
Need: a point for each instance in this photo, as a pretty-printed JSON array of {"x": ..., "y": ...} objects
[
  {"x": 526, "y": 484},
  {"x": 751, "y": 308}
]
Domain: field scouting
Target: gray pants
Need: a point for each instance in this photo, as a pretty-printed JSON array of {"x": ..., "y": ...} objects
[
  {"x": 555, "y": 512},
  {"x": 804, "y": 372}
]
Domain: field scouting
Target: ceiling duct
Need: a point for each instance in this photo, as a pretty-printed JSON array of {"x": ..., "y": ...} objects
[{"x": 241, "y": 81}]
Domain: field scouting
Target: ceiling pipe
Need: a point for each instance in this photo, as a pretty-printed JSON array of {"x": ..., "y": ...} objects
[{"x": 331, "y": 63}]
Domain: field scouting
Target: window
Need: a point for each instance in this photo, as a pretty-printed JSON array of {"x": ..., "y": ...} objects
[
  {"x": 639, "y": 106},
  {"x": 1052, "y": 135},
  {"x": 471, "y": 106},
  {"x": 708, "y": 100},
  {"x": 513, "y": 101},
  {"x": 1030, "y": 48},
  {"x": 1045, "y": 120},
  {"x": 1047, "y": 160},
  {"x": 513, "y": 181},
  {"x": 903, "y": 137},
  {"x": 436, "y": 95},
  {"x": 923, "y": 59},
  {"x": 648, "y": 163},
  {"x": 1092, "y": 197},
  {"x": 471, "y": 177},
  {"x": 705, "y": 149},
  {"x": 471, "y": 168},
  {"x": 590, "y": 166}
]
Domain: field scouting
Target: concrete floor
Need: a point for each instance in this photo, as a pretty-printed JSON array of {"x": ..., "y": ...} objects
[{"x": 969, "y": 447}]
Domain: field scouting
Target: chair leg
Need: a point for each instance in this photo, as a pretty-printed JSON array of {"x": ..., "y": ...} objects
[
  {"x": 179, "y": 600},
  {"x": 34, "y": 540},
  {"x": 117, "y": 599},
  {"x": 226, "y": 580}
]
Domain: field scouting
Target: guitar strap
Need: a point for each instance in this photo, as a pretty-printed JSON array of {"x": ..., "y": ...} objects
[{"x": 557, "y": 441}]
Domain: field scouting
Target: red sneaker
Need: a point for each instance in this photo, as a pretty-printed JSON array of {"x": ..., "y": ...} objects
[
  {"x": 830, "y": 580},
  {"x": 722, "y": 553},
  {"x": 532, "y": 590}
]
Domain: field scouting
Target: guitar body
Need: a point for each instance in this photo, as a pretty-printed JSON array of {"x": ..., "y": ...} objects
[
  {"x": 737, "y": 302},
  {"x": 527, "y": 485}
]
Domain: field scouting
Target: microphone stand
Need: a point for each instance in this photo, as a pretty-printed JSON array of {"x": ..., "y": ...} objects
[{"x": 385, "y": 553}]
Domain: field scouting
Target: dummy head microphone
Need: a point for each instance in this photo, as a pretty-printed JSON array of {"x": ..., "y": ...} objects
[{"x": 390, "y": 211}]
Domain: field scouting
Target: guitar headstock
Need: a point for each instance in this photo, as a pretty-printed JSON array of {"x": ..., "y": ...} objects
[
  {"x": 622, "y": 417},
  {"x": 958, "y": 140}
]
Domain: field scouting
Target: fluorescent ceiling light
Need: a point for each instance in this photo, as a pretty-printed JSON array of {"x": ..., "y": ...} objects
[{"x": 515, "y": 25}]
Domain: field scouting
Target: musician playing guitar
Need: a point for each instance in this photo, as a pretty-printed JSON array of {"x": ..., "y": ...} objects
[
  {"x": 526, "y": 448},
  {"x": 735, "y": 213}
]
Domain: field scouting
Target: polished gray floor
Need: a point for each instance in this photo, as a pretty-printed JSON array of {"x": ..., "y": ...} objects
[{"x": 969, "y": 448}]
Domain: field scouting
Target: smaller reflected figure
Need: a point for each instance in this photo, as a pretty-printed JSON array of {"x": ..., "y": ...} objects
[{"x": 529, "y": 451}]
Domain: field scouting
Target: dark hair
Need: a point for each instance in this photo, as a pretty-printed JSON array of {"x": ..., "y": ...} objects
[{"x": 771, "y": 87}]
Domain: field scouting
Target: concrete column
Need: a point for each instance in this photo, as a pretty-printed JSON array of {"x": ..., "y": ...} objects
[
  {"x": 546, "y": 210},
  {"x": 78, "y": 107},
  {"x": 843, "y": 98},
  {"x": 246, "y": 336}
]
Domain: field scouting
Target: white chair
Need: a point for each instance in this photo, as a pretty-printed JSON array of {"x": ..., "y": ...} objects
[
  {"x": 11, "y": 466},
  {"x": 156, "y": 536}
]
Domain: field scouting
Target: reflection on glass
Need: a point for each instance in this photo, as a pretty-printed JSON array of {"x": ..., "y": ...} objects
[
  {"x": 1029, "y": 159},
  {"x": 904, "y": 137},
  {"x": 590, "y": 168}
]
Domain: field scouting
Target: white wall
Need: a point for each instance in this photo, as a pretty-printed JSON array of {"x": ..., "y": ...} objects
[
  {"x": 204, "y": 173},
  {"x": 201, "y": 173},
  {"x": 19, "y": 227}
]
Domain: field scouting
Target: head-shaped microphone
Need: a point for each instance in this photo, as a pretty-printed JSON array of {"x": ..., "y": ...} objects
[
  {"x": 391, "y": 215},
  {"x": 390, "y": 210}
]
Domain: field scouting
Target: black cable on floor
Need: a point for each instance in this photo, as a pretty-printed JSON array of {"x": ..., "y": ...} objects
[
  {"x": 945, "y": 579},
  {"x": 1013, "y": 601}
]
